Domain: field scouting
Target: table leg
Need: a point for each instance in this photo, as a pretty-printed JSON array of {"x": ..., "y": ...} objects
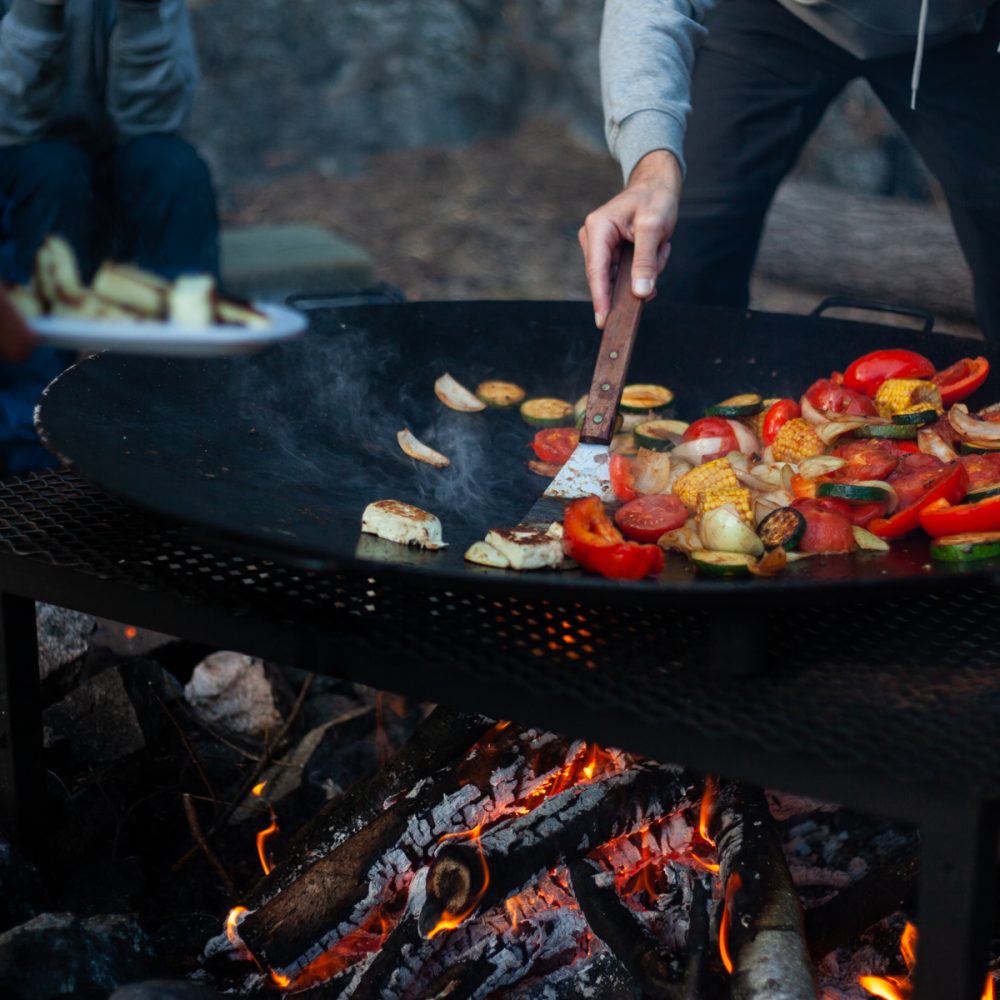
[
  {"x": 22, "y": 778},
  {"x": 955, "y": 900}
]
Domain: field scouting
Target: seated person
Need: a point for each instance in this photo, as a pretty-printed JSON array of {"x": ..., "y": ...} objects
[{"x": 93, "y": 94}]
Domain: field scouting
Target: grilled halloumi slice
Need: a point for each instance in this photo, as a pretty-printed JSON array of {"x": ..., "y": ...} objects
[
  {"x": 191, "y": 301},
  {"x": 24, "y": 299},
  {"x": 240, "y": 313},
  {"x": 404, "y": 523},
  {"x": 132, "y": 287},
  {"x": 484, "y": 554},
  {"x": 57, "y": 274},
  {"x": 526, "y": 548}
]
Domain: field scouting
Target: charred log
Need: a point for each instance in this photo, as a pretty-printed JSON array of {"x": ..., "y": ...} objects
[
  {"x": 465, "y": 877},
  {"x": 762, "y": 917},
  {"x": 698, "y": 984},
  {"x": 659, "y": 974},
  {"x": 440, "y": 740},
  {"x": 864, "y": 903}
]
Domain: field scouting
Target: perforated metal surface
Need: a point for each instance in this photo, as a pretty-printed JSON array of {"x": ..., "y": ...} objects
[{"x": 908, "y": 687}]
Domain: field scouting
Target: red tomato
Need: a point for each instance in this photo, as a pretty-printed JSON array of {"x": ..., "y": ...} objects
[
  {"x": 825, "y": 394},
  {"x": 555, "y": 444},
  {"x": 827, "y": 529},
  {"x": 950, "y": 485},
  {"x": 712, "y": 427},
  {"x": 913, "y": 477},
  {"x": 596, "y": 544},
  {"x": 865, "y": 460},
  {"x": 870, "y": 371},
  {"x": 941, "y": 518},
  {"x": 622, "y": 477},
  {"x": 983, "y": 470},
  {"x": 862, "y": 514},
  {"x": 777, "y": 416},
  {"x": 942, "y": 426},
  {"x": 962, "y": 379},
  {"x": 645, "y": 519}
]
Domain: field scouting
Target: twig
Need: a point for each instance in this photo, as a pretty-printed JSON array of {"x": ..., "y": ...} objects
[
  {"x": 199, "y": 839},
  {"x": 195, "y": 759}
]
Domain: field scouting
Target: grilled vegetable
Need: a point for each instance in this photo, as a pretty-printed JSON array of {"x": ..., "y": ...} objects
[
  {"x": 640, "y": 398},
  {"x": 892, "y": 432},
  {"x": 500, "y": 394},
  {"x": 724, "y": 530},
  {"x": 746, "y": 404},
  {"x": 420, "y": 451},
  {"x": 896, "y": 395},
  {"x": 867, "y": 541},
  {"x": 455, "y": 396},
  {"x": 782, "y": 528},
  {"x": 647, "y": 518},
  {"x": 868, "y": 372},
  {"x": 722, "y": 563},
  {"x": 738, "y": 497},
  {"x": 972, "y": 428},
  {"x": 403, "y": 523},
  {"x": 659, "y": 435},
  {"x": 962, "y": 379},
  {"x": 547, "y": 412},
  {"x": 596, "y": 544},
  {"x": 717, "y": 474},
  {"x": 797, "y": 440},
  {"x": 920, "y": 414},
  {"x": 983, "y": 494},
  {"x": 863, "y": 492},
  {"x": 966, "y": 547},
  {"x": 777, "y": 414},
  {"x": 941, "y": 518}
]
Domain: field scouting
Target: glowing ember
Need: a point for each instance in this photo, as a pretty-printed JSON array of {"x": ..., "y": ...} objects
[
  {"x": 589, "y": 763},
  {"x": 901, "y": 987},
  {"x": 265, "y": 835},
  {"x": 449, "y": 921},
  {"x": 733, "y": 886},
  {"x": 130, "y": 631}
]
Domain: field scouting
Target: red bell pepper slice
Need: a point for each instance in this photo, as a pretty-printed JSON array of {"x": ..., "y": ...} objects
[
  {"x": 777, "y": 416},
  {"x": 942, "y": 518},
  {"x": 867, "y": 373},
  {"x": 622, "y": 477},
  {"x": 951, "y": 487},
  {"x": 962, "y": 379},
  {"x": 596, "y": 544}
]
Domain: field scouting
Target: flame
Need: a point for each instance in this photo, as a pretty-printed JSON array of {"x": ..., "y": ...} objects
[
  {"x": 705, "y": 813},
  {"x": 232, "y": 922},
  {"x": 733, "y": 886},
  {"x": 265, "y": 835},
  {"x": 588, "y": 763},
  {"x": 709, "y": 866},
  {"x": 449, "y": 921},
  {"x": 901, "y": 987}
]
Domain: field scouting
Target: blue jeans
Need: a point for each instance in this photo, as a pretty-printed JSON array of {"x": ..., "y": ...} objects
[{"x": 149, "y": 201}]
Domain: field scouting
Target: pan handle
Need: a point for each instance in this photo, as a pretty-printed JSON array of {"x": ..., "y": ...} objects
[{"x": 846, "y": 302}]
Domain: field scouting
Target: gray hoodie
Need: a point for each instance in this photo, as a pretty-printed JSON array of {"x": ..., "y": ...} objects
[
  {"x": 647, "y": 52},
  {"x": 94, "y": 70}
]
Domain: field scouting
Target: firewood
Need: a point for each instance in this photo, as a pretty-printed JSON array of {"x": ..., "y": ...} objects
[
  {"x": 765, "y": 927},
  {"x": 862, "y": 904},
  {"x": 566, "y": 825},
  {"x": 441, "y": 739}
]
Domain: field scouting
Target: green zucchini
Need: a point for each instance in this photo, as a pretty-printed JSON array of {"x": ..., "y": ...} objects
[
  {"x": 782, "y": 527},
  {"x": 983, "y": 493},
  {"x": 918, "y": 417},
  {"x": 500, "y": 394},
  {"x": 966, "y": 547},
  {"x": 978, "y": 447},
  {"x": 547, "y": 412},
  {"x": 855, "y": 492},
  {"x": 896, "y": 432},
  {"x": 658, "y": 435},
  {"x": 722, "y": 563},
  {"x": 746, "y": 404},
  {"x": 645, "y": 398}
]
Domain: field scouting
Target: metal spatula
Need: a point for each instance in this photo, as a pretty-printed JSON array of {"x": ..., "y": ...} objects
[{"x": 586, "y": 473}]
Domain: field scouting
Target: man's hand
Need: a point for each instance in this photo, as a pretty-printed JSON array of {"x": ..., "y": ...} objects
[
  {"x": 645, "y": 214},
  {"x": 16, "y": 340}
]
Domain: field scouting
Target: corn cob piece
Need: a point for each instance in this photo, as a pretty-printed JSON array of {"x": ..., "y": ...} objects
[
  {"x": 715, "y": 475},
  {"x": 896, "y": 395},
  {"x": 738, "y": 496},
  {"x": 797, "y": 440}
]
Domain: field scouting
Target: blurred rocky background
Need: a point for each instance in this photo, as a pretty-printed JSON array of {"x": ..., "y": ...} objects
[{"x": 460, "y": 143}]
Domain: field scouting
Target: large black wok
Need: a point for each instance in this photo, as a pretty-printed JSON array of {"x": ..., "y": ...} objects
[{"x": 279, "y": 453}]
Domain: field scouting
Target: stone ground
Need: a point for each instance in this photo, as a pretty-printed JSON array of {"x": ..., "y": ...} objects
[{"x": 493, "y": 220}]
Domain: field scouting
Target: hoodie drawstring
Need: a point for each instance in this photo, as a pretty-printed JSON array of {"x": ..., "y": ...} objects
[{"x": 918, "y": 58}]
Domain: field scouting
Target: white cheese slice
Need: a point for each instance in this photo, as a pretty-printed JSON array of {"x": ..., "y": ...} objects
[
  {"x": 404, "y": 523},
  {"x": 485, "y": 555},
  {"x": 526, "y": 548}
]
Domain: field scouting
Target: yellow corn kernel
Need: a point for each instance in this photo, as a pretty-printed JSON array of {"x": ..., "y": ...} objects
[
  {"x": 717, "y": 474},
  {"x": 797, "y": 440},
  {"x": 738, "y": 496},
  {"x": 896, "y": 395}
]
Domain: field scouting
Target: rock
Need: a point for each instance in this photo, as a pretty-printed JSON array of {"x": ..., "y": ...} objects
[
  {"x": 126, "y": 640},
  {"x": 60, "y": 955},
  {"x": 164, "y": 989},
  {"x": 20, "y": 889},
  {"x": 63, "y": 636},
  {"x": 233, "y": 693}
]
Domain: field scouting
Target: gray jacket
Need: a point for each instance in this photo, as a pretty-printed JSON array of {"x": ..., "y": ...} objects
[
  {"x": 95, "y": 71},
  {"x": 647, "y": 52}
]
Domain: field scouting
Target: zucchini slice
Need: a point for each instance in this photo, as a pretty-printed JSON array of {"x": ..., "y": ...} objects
[
  {"x": 659, "y": 435},
  {"x": 983, "y": 493},
  {"x": 978, "y": 447},
  {"x": 783, "y": 527},
  {"x": 645, "y": 398},
  {"x": 919, "y": 415},
  {"x": 966, "y": 547},
  {"x": 896, "y": 432},
  {"x": 746, "y": 404},
  {"x": 855, "y": 492},
  {"x": 495, "y": 393},
  {"x": 547, "y": 412},
  {"x": 722, "y": 563}
]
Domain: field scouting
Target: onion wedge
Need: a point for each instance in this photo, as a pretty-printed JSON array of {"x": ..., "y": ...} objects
[
  {"x": 695, "y": 451},
  {"x": 820, "y": 465},
  {"x": 455, "y": 396},
  {"x": 746, "y": 440},
  {"x": 971, "y": 427},
  {"x": 421, "y": 452},
  {"x": 652, "y": 472},
  {"x": 931, "y": 443}
]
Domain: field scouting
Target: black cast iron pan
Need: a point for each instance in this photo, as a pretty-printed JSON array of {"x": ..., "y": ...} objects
[{"x": 279, "y": 452}]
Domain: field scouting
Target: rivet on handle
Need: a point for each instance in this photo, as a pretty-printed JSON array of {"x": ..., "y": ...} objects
[
  {"x": 598, "y": 417},
  {"x": 613, "y": 355}
]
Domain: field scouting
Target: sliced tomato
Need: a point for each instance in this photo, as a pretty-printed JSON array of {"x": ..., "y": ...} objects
[
  {"x": 646, "y": 518},
  {"x": 712, "y": 427},
  {"x": 805, "y": 489},
  {"x": 862, "y": 514},
  {"x": 622, "y": 477},
  {"x": 982, "y": 470},
  {"x": 949, "y": 483},
  {"x": 555, "y": 444},
  {"x": 827, "y": 527},
  {"x": 870, "y": 459},
  {"x": 942, "y": 518},
  {"x": 868, "y": 372},
  {"x": 777, "y": 416},
  {"x": 826, "y": 394},
  {"x": 961, "y": 379},
  {"x": 595, "y": 543},
  {"x": 913, "y": 477},
  {"x": 907, "y": 447}
]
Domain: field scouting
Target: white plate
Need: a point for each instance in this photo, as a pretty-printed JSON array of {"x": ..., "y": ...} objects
[{"x": 168, "y": 338}]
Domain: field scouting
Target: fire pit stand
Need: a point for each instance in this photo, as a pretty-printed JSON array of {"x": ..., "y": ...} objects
[{"x": 890, "y": 706}]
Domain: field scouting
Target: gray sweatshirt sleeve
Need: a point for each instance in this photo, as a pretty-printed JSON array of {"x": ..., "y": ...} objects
[
  {"x": 647, "y": 52},
  {"x": 152, "y": 68},
  {"x": 33, "y": 54}
]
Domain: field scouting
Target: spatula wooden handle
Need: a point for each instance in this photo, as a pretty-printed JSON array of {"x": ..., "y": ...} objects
[{"x": 613, "y": 357}]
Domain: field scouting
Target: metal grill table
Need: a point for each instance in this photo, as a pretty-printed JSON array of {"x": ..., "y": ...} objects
[{"x": 888, "y": 706}]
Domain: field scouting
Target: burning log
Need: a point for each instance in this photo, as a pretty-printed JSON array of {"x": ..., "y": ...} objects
[
  {"x": 761, "y": 934},
  {"x": 464, "y": 878},
  {"x": 441, "y": 739}
]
